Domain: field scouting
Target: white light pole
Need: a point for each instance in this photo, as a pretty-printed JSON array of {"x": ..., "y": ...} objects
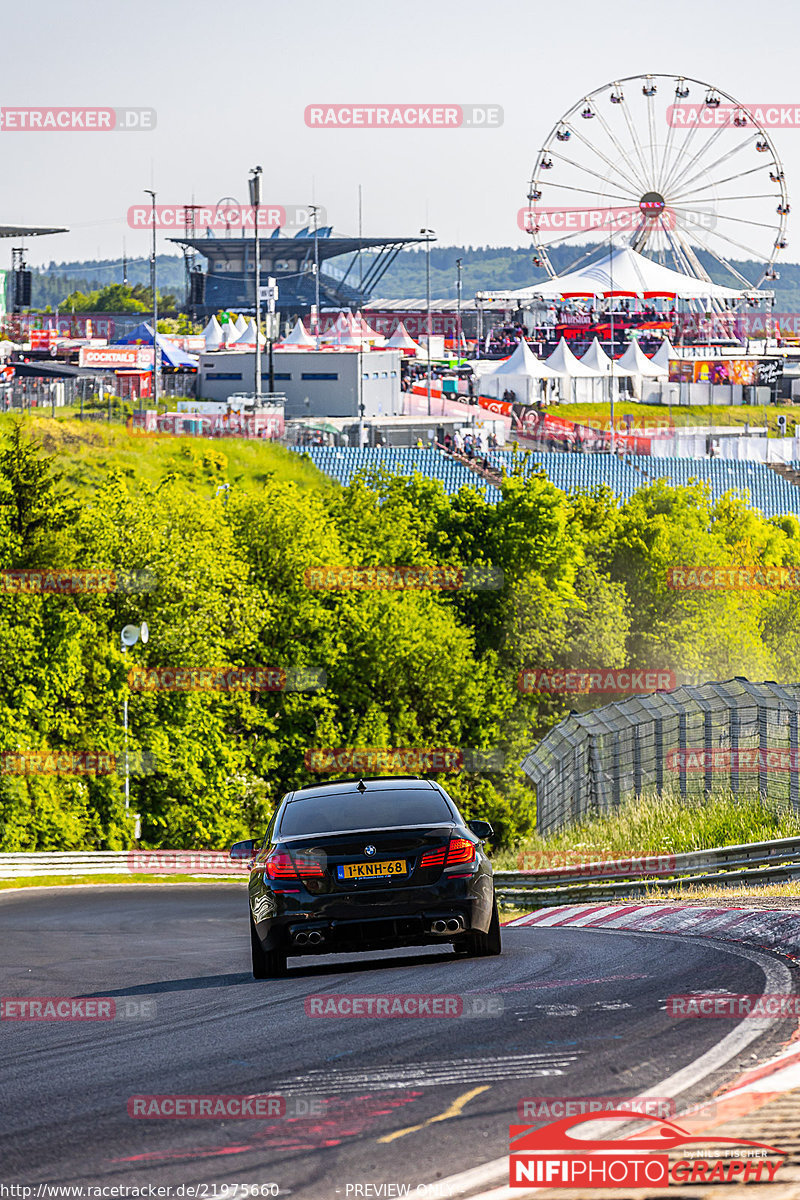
[
  {"x": 152, "y": 196},
  {"x": 611, "y": 291},
  {"x": 428, "y": 234},
  {"x": 129, "y": 636},
  {"x": 458, "y": 306},
  {"x": 314, "y": 209},
  {"x": 255, "y": 200}
]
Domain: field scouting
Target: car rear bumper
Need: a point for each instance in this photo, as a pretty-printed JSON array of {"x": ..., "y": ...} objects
[{"x": 304, "y": 924}]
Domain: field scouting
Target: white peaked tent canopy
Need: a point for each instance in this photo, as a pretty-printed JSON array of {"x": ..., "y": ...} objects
[
  {"x": 523, "y": 362},
  {"x": 299, "y": 337},
  {"x": 597, "y": 358},
  {"x": 248, "y": 338},
  {"x": 241, "y": 324},
  {"x": 664, "y": 353},
  {"x": 361, "y": 326},
  {"x": 636, "y": 362},
  {"x": 342, "y": 327},
  {"x": 626, "y": 272},
  {"x": 401, "y": 339},
  {"x": 213, "y": 334},
  {"x": 229, "y": 334},
  {"x": 564, "y": 361},
  {"x": 522, "y": 373}
]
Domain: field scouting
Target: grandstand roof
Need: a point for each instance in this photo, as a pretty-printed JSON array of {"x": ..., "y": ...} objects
[
  {"x": 23, "y": 231},
  {"x": 327, "y": 247}
]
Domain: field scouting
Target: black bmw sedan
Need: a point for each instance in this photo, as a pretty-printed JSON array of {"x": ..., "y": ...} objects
[{"x": 368, "y": 864}]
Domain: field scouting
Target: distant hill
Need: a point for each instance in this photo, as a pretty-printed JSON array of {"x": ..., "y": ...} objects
[{"x": 484, "y": 268}]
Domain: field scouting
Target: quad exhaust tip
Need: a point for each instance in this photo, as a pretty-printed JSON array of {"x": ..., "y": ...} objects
[
  {"x": 452, "y": 925},
  {"x": 312, "y": 938}
]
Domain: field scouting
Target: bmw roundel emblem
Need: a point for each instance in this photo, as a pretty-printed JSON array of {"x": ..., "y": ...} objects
[{"x": 369, "y": 851}]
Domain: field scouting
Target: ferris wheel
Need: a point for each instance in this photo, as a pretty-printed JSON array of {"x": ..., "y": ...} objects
[{"x": 675, "y": 168}]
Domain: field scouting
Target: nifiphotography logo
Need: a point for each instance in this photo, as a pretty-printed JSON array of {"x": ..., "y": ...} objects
[{"x": 553, "y": 1156}]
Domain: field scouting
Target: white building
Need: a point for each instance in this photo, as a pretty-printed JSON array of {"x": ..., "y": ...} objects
[{"x": 316, "y": 383}]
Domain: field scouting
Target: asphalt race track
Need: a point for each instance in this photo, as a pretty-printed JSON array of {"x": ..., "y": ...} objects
[{"x": 582, "y": 1015}]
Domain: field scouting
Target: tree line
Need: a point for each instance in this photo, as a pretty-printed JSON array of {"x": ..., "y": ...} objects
[{"x": 221, "y": 576}]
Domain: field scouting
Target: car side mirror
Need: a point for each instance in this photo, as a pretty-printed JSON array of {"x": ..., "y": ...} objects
[
  {"x": 481, "y": 829},
  {"x": 241, "y": 850}
]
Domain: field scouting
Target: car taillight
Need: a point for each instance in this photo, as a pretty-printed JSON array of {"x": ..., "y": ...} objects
[
  {"x": 460, "y": 850},
  {"x": 280, "y": 865},
  {"x": 435, "y": 858}
]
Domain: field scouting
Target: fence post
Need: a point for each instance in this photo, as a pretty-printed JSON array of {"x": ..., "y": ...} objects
[
  {"x": 734, "y": 735},
  {"x": 637, "y": 761},
  {"x": 682, "y": 747},
  {"x": 763, "y": 783}
]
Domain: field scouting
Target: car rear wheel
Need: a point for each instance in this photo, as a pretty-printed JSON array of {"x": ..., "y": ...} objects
[
  {"x": 482, "y": 945},
  {"x": 267, "y": 964}
]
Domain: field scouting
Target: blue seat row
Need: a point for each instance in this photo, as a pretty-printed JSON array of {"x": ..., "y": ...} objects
[{"x": 768, "y": 492}]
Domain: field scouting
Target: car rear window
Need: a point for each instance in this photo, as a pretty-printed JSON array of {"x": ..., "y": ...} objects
[{"x": 372, "y": 810}]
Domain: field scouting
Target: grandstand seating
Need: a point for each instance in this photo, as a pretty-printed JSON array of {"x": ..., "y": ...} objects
[{"x": 769, "y": 492}]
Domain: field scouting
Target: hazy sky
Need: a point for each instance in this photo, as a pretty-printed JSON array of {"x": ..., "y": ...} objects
[{"x": 230, "y": 84}]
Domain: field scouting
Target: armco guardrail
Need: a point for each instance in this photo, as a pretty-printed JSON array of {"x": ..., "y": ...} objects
[
  {"x": 727, "y": 866},
  {"x": 119, "y": 862}
]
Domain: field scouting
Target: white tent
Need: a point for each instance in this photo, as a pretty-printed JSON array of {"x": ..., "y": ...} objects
[
  {"x": 342, "y": 327},
  {"x": 248, "y": 338},
  {"x": 596, "y": 358},
  {"x": 625, "y": 272},
  {"x": 213, "y": 334},
  {"x": 521, "y": 373},
  {"x": 582, "y": 383},
  {"x": 241, "y": 324},
  {"x": 229, "y": 333},
  {"x": 564, "y": 361},
  {"x": 299, "y": 337},
  {"x": 401, "y": 339},
  {"x": 636, "y": 362},
  {"x": 664, "y": 353}
]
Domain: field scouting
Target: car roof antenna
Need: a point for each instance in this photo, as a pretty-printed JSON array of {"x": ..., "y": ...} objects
[{"x": 361, "y": 786}]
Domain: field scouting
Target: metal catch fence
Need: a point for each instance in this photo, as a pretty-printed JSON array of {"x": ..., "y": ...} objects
[{"x": 737, "y": 737}]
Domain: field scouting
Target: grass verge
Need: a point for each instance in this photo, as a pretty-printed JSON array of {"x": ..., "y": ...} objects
[
  {"x": 651, "y": 416},
  {"x": 656, "y": 825},
  {"x": 65, "y": 880}
]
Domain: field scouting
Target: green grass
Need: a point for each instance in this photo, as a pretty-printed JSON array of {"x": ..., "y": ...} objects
[
  {"x": 652, "y": 416},
  {"x": 87, "y": 450},
  {"x": 658, "y": 825},
  {"x": 65, "y": 880}
]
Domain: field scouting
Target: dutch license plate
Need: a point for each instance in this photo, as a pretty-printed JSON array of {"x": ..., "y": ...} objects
[{"x": 371, "y": 870}]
